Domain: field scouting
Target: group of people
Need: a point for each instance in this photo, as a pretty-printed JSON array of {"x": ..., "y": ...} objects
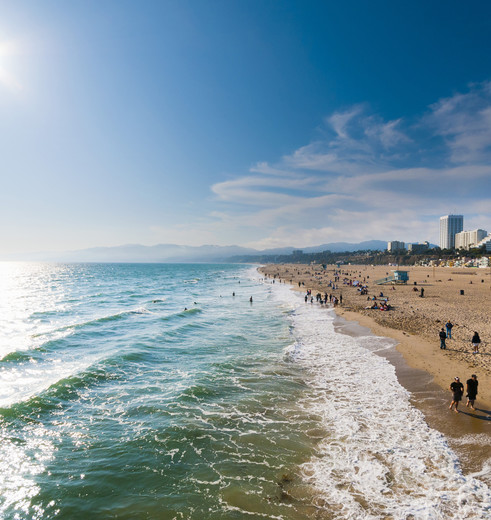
[
  {"x": 384, "y": 306},
  {"x": 457, "y": 389},
  {"x": 384, "y": 303},
  {"x": 444, "y": 335},
  {"x": 323, "y": 299}
]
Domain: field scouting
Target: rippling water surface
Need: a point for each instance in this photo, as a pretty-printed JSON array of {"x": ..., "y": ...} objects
[{"x": 151, "y": 391}]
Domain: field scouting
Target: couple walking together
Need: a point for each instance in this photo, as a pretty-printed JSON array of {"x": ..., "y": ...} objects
[{"x": 457, "y": 389}]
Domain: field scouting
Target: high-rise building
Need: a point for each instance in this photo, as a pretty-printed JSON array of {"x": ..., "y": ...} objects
[
  {"x": 468, "y": 239},
  {"x": 395, "y": 245},
  {"x": 486, "y": 242},
  {"x": 449, "y": 226},
  {"x": 418, "y": 248}
]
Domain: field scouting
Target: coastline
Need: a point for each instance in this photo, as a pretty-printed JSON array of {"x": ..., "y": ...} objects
[{"x": 421, "y": 367}]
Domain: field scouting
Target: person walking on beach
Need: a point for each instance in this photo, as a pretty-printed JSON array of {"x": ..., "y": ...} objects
[
  {"x": 471, "y": 391},
  {"x": 443, "y": 337},
  {"x": 476, "y": 340},
  {"x": 457, "y": 388},
  {"x": 449, "y": 326}
]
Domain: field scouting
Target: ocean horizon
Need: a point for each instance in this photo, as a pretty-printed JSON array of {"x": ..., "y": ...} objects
[{"x": 204, "y": 391}]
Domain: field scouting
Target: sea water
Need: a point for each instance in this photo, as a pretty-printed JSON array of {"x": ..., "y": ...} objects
[{"x": 159, "y": 391}]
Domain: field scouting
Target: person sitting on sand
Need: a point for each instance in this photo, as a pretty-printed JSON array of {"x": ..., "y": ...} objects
[
  {"x": 471, "y": 391},
  {"x": 457, "y": 388},
  {"x": 476, "y": 340}
]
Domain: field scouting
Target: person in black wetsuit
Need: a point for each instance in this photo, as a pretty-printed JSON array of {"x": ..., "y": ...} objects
[
  {"x": 457, "y": 388},
  {"x": 471, "y": 391}
]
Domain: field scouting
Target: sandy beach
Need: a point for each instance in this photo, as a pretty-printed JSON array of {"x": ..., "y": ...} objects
[{"x": 414, "y": 322}]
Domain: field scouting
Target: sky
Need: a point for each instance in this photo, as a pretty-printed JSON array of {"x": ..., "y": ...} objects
[{"x": 254, "y": 123}]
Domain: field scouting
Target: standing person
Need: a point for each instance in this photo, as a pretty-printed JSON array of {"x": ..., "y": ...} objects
[
  {"x": 449, "y": 326},
  {"x": 457, "y": 388},
  {"x": 443, "y": 337},
  {"x": 471, "y": 391},
  {"x": 476, "y": 340}
]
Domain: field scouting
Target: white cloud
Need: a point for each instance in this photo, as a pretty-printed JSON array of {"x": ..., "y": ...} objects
[
  {"x": 339, "y": 120},
  {"x": 387, "y": 133},
  {"x": 464, "y": 120},
  {"x": 366, "y": 178}
]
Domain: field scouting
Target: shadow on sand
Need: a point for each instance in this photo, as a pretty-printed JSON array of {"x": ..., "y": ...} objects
[{"x": 486, "y": 417}]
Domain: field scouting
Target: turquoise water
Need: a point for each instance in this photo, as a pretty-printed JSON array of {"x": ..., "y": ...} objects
[
  {"x": 153, "y": 392},
  {"x": 118, "y": 403}
]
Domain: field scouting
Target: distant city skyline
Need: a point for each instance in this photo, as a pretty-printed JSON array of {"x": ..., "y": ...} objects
[{"x": 261, "y": 124}]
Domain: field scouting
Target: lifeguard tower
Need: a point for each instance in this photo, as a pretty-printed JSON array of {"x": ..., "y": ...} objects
[{"x": 398, "y": 277}]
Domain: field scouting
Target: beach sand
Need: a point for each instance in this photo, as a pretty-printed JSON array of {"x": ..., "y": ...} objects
[{"x": 414, "y": 322}]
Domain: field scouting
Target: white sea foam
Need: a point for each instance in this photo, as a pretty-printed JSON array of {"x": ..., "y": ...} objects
[
  {"x": 30, "y": 379},
  {"x": 379, "y": 458}
]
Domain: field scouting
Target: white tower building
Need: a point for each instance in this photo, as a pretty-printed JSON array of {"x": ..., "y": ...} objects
[{"x": 449, "y": 226}]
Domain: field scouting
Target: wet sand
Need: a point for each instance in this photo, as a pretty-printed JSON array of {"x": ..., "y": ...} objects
[
  {"x": 414, "y": 323},
  {"x": 468, "y": 433}
]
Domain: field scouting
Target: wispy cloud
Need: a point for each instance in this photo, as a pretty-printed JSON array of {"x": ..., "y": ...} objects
[
  {"x": 365, "y": 177},
  {"x": 464, "y": 121}
]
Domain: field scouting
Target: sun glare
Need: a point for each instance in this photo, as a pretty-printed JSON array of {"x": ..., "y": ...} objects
[{"x": 7, "y": 79}]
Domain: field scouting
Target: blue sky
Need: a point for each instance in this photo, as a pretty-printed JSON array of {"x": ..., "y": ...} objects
[{"x": 258, "y": 123}]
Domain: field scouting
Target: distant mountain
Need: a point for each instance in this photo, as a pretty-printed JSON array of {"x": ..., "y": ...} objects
[{"x": 169, "y": 253}]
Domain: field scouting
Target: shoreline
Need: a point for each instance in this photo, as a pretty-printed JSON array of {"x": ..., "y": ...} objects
[
  {"x": 421, "y": 367},
  {"x": 432, "y": 401}
]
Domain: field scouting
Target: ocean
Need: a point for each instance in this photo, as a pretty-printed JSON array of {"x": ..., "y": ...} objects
[{"x": 160, "y": 391}]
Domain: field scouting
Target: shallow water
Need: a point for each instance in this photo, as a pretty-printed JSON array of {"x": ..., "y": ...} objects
[{"x": 116, "y": 402}]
